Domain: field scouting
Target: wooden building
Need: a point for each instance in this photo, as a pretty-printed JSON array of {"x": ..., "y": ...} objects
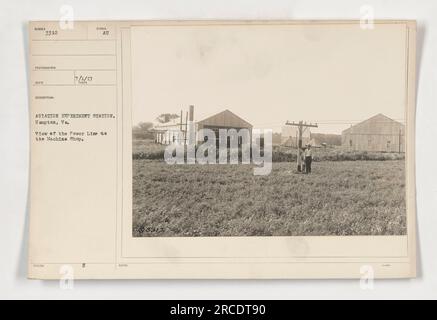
[{"x": 379, "y": 133}]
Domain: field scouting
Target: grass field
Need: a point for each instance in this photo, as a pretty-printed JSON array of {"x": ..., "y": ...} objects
[
  {"x": 338, "y": 198},
  {"x": 146, "y": 149}
]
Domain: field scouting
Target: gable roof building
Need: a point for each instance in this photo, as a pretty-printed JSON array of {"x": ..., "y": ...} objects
[
  {"x": 290, "y": 136},
  {"x": 378, "y": 133}
]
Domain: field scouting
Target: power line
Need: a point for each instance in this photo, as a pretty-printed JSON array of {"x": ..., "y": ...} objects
[
  {"x": 333, "y": 122},
  {"x": 302, "y": 126}
]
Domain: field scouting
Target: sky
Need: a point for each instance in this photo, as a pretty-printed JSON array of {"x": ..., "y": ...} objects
[{"x": 333, "y": 75}]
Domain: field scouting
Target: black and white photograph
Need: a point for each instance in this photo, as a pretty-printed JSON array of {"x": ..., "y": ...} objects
[{"x": 212, "y": 105}]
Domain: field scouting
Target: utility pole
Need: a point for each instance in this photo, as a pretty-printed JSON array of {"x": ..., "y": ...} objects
[
  {"x": 301, "y": 126},
  {"x": 186, "y": 128}
]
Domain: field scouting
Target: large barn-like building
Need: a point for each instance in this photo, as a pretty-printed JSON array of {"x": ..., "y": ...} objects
[
  {"x": 178, "y": 130},
  {"x": 379, "y": 133}
]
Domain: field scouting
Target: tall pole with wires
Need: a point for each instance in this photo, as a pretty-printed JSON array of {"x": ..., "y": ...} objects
[{"x": 301, "y": 127}]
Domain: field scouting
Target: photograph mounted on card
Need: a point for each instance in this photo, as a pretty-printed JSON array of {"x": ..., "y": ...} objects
[{"x": 224, "y": 149}]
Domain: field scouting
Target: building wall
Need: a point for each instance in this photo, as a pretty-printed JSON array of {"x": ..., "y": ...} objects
[
  {"x": 289, "y": 136},
  {"x": 216, "y": 130},
  {"x": 373, "y": 142},
  {"x": 169, "y": 134}
]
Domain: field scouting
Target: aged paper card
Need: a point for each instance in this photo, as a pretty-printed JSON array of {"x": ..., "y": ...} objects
[{"x": 222, "y": 149}]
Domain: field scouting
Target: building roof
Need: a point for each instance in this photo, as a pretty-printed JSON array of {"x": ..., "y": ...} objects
[
  {"x": 377, "y": 124},
  {"x": 225, "y": 118}
]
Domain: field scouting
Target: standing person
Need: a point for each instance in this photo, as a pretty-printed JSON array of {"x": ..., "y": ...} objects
[{"x": 308, "y": 158}]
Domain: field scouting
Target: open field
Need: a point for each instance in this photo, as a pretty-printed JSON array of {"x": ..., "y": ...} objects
[{"x": 338, "y": 198}]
